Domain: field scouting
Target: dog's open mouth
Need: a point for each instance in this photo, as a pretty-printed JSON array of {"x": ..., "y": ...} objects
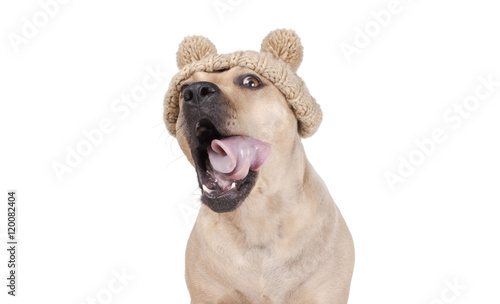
[{"x": 226, "y": 166}]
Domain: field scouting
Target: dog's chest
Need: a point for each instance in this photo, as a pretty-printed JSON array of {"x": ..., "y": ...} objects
[{"x": 264, "y": 274}]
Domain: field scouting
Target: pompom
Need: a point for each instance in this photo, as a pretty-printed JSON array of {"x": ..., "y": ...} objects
[
  {"x": 285, "y": 45},
  {"x": 194, "y": 48}
]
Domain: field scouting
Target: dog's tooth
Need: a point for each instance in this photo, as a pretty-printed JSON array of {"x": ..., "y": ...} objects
[
  {"x": 232, "y": 186},
  {"x": 205, "y": 188}
]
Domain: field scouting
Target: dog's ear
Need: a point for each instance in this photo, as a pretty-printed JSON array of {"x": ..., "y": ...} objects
[
  {"x": 285, "y": 45},
  {"x": 194, "y": 48}
]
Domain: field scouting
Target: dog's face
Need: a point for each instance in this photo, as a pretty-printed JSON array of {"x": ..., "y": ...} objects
[{"x": 235, "y": 102}]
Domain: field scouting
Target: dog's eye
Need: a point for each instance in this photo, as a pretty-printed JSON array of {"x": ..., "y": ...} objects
[{"x": 251, "y": 81}]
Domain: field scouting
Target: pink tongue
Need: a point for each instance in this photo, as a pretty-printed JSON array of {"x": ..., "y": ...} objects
[{"x": 232, "y": 157}]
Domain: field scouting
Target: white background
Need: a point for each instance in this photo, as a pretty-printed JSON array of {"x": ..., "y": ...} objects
[{"x": 130, "y": 204}]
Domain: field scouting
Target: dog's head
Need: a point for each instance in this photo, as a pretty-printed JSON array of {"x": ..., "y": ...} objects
[{"x": 238, "y": 117}]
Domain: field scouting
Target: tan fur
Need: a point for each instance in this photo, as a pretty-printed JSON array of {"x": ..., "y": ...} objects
[{"x": 287, "y": 242}]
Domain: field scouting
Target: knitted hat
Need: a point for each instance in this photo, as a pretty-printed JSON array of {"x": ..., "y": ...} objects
[{"x": 279, "y": 58}]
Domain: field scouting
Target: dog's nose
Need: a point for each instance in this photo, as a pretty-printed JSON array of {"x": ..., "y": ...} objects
[{"x": 198, "y": 92}]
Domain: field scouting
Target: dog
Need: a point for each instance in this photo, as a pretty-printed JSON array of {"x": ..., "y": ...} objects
[{"x": 268, "y": 230}]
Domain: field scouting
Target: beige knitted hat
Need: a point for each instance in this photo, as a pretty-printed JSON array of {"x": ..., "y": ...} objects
[{"x": 279, "y": 58}]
